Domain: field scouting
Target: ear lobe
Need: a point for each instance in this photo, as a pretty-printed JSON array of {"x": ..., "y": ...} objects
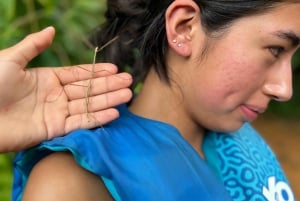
[{"x": 181, "y": 17}]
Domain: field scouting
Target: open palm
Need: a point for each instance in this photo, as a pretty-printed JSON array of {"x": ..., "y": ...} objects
[{"x": 41, "y": 103}]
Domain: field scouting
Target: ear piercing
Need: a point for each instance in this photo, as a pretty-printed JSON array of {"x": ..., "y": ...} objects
[{"x": 179, "y": 44}]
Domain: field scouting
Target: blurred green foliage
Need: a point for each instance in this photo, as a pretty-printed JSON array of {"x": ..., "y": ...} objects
[
  {"x": 5, "y": 176},
  {"x": 74, "y": 21}
]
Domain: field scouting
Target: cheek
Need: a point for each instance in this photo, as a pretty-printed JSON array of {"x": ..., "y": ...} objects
[
  {"x": 234, "y": 77},
  {"x": 229, "y": 82}
]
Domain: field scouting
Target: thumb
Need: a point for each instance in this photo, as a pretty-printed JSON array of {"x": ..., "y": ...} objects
[{"x": 31, "y": 46}]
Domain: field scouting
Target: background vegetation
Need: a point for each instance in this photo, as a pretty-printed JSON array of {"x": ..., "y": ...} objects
[{"x": 74, "y": 21}]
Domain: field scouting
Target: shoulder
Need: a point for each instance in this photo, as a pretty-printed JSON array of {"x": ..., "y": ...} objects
[{"x": 58, "y": 177}]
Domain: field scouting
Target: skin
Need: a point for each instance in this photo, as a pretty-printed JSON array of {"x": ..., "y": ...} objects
[
  {"x": 43, "y": 103},
  {"x": 220, "y": 91}
]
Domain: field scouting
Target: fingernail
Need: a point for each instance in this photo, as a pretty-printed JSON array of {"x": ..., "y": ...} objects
[
  {"x": 125, "y": 76},
  {"x": 48, "y": 28}
]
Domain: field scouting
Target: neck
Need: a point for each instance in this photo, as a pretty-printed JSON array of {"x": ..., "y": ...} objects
[{"x": 165, "y": 103}]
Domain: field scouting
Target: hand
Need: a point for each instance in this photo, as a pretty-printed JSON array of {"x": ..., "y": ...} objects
[{"x": 41, "y": 103}]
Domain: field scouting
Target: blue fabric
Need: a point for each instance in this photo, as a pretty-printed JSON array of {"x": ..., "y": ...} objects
[
  {"x": 142, "y": 159},
  {"x": 247, "y": 166}
]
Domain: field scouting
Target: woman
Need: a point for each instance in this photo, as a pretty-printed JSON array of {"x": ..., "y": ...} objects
[{"x": 211, "y": 67}]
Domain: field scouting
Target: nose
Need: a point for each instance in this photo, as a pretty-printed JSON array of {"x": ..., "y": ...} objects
[{"x": 278, "y": 86}]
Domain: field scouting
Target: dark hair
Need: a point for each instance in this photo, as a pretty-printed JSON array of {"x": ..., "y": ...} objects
[{"x": 140, "y": 26}]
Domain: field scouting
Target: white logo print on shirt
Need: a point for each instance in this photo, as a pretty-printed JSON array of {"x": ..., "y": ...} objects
[{"x": 279, "y": 191}]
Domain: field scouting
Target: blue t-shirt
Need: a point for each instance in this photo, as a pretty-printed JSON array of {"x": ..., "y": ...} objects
[{"x": 142, "y": 159}]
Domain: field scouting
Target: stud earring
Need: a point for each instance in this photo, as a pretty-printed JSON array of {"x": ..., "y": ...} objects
[{"x": 179, "y": 44}]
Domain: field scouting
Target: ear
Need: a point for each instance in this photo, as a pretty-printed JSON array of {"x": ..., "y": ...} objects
[{"x": 182, "y": 17}]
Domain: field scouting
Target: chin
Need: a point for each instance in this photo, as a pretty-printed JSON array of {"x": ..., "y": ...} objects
[{"x": 228, "y": 128}]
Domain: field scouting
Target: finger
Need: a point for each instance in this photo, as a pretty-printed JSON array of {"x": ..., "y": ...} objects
[
  {"x": 100, "y": 102},
  {"x": 98, "y": 86},
  {"x": 82, "y": 72},
  {"x": 31, "y": 46},
  {"x": 92, "y": 120}
]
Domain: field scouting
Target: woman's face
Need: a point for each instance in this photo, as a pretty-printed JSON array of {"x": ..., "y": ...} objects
[{"x": 244, "y": 69}]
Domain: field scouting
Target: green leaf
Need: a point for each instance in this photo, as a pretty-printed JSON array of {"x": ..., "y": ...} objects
[{"x": 7, "y": 10}]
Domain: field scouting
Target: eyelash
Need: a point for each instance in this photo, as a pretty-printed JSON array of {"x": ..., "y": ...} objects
[{"x": 276, "y": 51}]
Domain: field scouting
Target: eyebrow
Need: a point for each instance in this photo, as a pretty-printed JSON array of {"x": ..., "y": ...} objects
[{"x": 290, "y": 36}]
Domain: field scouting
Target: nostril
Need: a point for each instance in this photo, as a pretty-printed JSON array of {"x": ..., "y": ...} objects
[
  {"x": 276, "y": 98},
  {"x": 281, "y": 98},
  {"x": 278, "y": 92}
]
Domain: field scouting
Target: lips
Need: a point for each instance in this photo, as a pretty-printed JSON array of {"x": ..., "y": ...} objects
[{"x": 252, "y": 112}]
